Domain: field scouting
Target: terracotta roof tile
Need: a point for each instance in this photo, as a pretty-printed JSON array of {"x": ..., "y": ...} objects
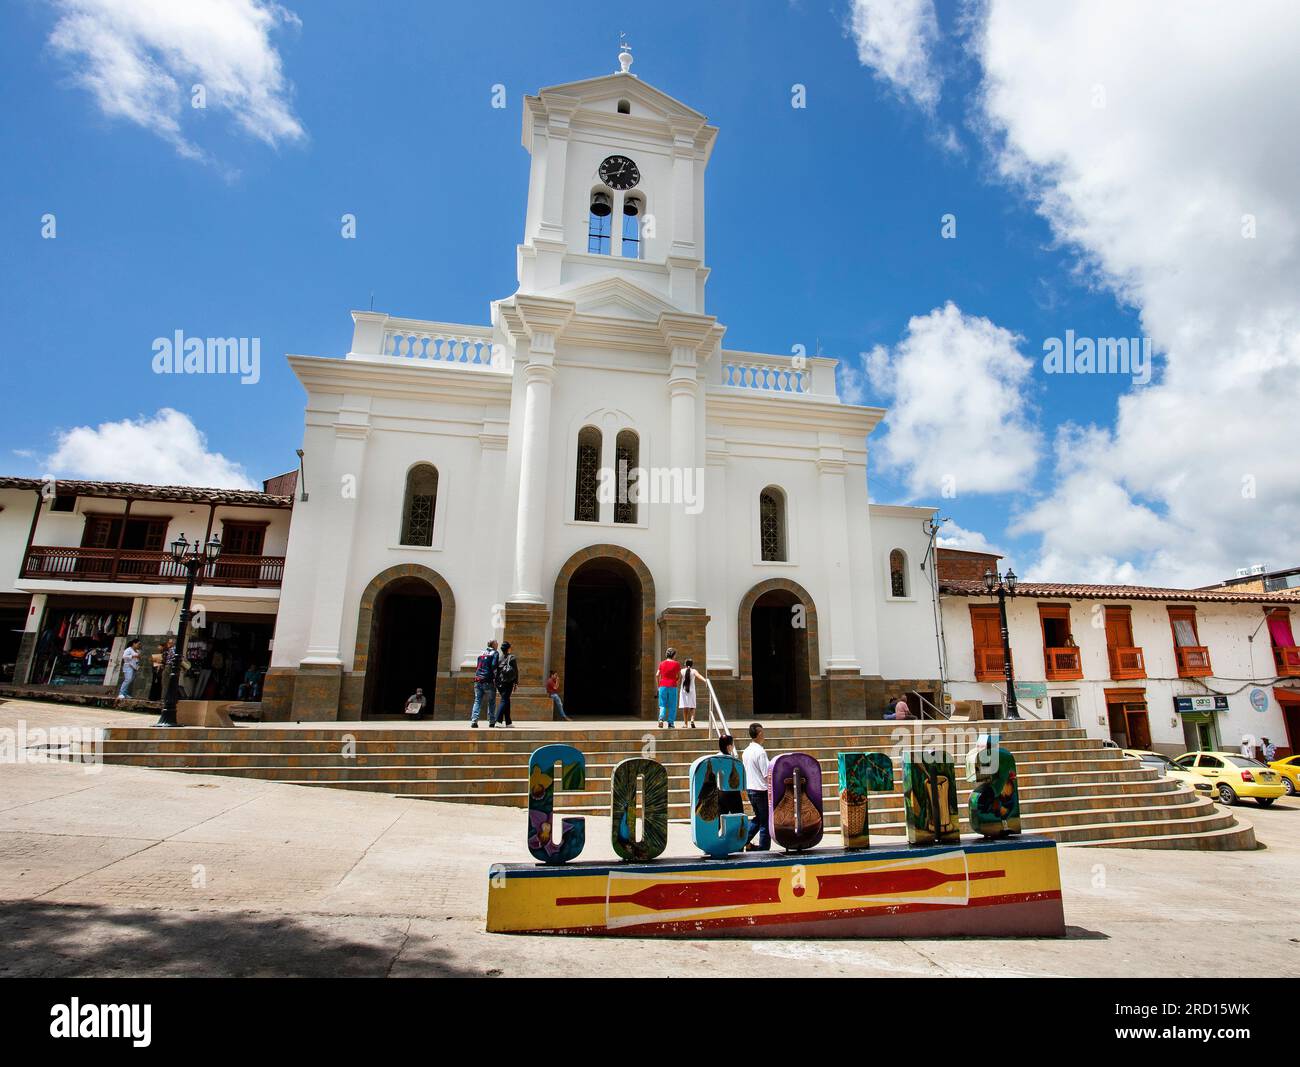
[
  {"x": 1121, "y": 592},
  {"x": 179, "y": 493}
]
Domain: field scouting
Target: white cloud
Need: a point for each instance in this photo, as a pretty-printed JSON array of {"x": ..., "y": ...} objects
[
  {"x": 895, "y": 39},
  {"x": 1201, "y": 103},
  {"x": 141, "y": 58},
  {"x": 954, "y": 536},
  {"x": 957, "y": 422},
  {"x": 167, "y": 449}
]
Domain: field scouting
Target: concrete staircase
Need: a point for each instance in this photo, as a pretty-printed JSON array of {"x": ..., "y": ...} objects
[{"x": 1071, "y": 788}]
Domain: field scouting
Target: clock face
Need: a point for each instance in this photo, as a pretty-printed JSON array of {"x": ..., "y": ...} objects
[{"x": 619, "y": 172}]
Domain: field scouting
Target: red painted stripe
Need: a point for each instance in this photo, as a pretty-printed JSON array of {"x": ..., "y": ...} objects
[
  {"x": 883, "y": 883},
  {"x": 674, "y": 896}
]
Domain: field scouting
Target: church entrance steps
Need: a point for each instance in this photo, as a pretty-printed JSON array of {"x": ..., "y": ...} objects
[{"x": 1072, "y": 787}]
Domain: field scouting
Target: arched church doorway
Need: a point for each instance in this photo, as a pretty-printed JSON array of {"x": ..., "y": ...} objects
[
  {"x": 403, "y": 655},
  {"x": 778, "y": 643},
  {"x": 602, "y": 646}
]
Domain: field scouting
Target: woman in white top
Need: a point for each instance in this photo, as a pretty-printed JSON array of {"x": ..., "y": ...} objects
[{"x": 687, "y": 688}]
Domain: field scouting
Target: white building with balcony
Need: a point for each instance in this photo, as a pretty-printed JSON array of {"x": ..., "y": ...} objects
[
  {"x": 593, "y": 475},
  {"x": 1150, "y": 668},
  {"x": 84, "y": 566}
]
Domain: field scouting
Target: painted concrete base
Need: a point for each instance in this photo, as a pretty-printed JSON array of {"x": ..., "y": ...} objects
[{"x": 1008, "y": 888}]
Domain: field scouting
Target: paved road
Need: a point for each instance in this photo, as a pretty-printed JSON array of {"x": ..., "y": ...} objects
[{"x": 129, "y": 871}]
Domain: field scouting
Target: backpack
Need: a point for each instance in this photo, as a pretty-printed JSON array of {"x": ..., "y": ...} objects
[
  {"x": 485, "y": 667},
  {"x": 507, "y": 673}
]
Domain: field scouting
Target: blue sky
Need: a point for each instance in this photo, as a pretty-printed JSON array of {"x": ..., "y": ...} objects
[{"x": 824, "y": 228}]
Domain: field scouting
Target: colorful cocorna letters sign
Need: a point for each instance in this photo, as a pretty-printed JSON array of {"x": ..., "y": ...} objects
[{"x": 796, "y": 800}]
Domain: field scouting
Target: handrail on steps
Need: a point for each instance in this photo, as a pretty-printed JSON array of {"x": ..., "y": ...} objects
[
  {"x": 939, "y": 713},
  {"x": 717, "y": 722},
  {"x": 1033, "y": 713}
]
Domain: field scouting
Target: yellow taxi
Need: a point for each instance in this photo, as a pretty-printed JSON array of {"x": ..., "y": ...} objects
[
  {"x": 1158, "y": 761},
  {"x": 1234, "y": 776},
  {"x": 1289, "y": 769}
]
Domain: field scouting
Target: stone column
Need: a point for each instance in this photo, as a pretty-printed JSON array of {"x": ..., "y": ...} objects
[
  {"x": 845, "y": 687},
  {"x": 320, "y": 674}
]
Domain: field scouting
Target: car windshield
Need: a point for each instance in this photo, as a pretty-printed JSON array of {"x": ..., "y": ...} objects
[
  {"x": 1246, "y": 761},
  {"x": 1158, "y": 759}
]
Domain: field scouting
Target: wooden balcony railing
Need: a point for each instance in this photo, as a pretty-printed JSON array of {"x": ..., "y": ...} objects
[
  {"x": 1287, "y": 658},
  {"x": 71, "y": 564},
  {"x": 1062, "y": 663},
  {"x": 989, "y": 664},
  {"x": 1126, "y": 662},
  {"x": 1193, "y": 661}
]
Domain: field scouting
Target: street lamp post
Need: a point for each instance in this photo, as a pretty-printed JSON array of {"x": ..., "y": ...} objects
[
  {"x": 1004, "y": 585},
  {"x": 194, "y": 558}
]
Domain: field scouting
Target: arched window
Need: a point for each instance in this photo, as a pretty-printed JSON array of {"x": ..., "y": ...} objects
[
  {"x": 624, "y": 107},
  {"x": 633, "y": 212},
  {"x": 771, "y": 524},
  {"x": 897, "y": 573},
  {"x": 627, "y": 455},
  {"x": 417, "y": 510},
  {"x": 586, "y": 503},
  {"x": 600, "y": 222}
]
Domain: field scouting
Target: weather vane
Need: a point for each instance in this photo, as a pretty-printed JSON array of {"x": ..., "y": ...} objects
[{"x": 624, "y": 54}]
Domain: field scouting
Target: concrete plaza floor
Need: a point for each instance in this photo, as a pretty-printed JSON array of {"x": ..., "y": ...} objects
[{"x": 123, "y": 871}]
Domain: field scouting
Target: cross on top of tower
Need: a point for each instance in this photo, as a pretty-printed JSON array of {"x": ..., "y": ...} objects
[{"x": 624, "y": 55}]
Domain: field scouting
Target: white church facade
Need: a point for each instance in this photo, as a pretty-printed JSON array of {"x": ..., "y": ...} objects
[{"x": 593, "y": 475}]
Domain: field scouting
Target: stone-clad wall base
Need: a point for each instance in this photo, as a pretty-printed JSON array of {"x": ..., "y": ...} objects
[
  {"x": 352, "y": 695},
  {"x": 455, "y": 696},
  {"x": 316, "y": 693},
  {"x": 526, "y": 631},
  {"x": 529, "y": 703},
  {"x": 845, "y": 695},
  {"x": 684, "y": 630},
  {"x": 277, "y": 694},
  {"x": 879, "y": 691}
]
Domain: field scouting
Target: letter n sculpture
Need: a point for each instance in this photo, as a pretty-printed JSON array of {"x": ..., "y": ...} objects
[
  {"x": 861, "y": 773},
  {"x": 542, "y": 842},
  {"x": 930, "y": 798}
]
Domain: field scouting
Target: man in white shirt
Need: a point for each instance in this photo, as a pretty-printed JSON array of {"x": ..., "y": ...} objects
[
  {"x": 1248, "y": 746},
  {"x": 756, "y": 783},
  {"x": 1270, "y": 751}
]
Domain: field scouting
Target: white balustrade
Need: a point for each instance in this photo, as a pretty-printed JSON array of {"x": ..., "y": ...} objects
[
  {"x": 773, "y": 377},
  {"x": 418, "y": 342}
]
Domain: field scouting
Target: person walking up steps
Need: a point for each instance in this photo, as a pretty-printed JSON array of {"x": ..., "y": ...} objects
[
  {"x": 670, "y": 674},
  {"x": 507, "y": 678},
  {"x": 687, "y": 693}
]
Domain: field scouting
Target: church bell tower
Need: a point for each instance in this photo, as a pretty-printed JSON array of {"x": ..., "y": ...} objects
[{"x": 616, "y": 188}]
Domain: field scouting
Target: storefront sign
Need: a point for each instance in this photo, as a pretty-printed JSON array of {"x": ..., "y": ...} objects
[
  {"x": 1259, "y": 700},
  {"x": 1031, "y": 690},
  {"x": 1185, "y": 705}
]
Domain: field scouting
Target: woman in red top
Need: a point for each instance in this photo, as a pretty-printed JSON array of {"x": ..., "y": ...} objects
[{"x": 670, "y": 673}]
